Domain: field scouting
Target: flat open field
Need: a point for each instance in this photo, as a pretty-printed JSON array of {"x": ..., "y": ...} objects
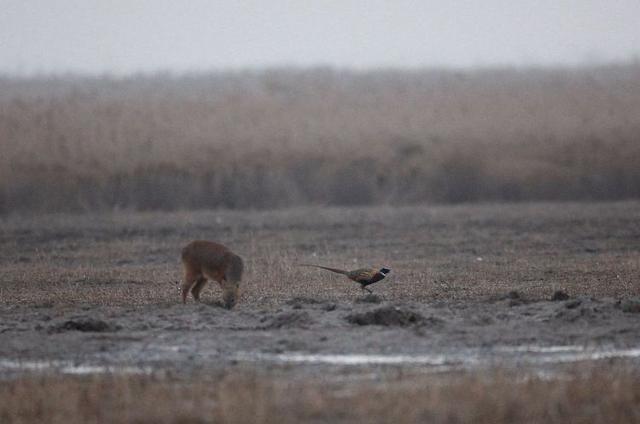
[{"x": 467, "y": 327}]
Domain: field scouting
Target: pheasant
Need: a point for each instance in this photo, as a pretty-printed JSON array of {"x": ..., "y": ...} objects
[{"x": 362, "y": 276}]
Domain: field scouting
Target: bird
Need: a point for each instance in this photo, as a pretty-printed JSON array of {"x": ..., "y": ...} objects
[{"x": 362, "y": 276}]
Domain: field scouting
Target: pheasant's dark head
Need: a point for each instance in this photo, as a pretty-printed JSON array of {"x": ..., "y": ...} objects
[{"x": 384, "y": 271}]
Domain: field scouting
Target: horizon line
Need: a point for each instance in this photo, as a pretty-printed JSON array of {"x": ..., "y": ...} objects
[{"x": 291, "y": 67}]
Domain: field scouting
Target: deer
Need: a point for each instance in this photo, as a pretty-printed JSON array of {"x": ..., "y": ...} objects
[{"x": 206, "y": 260}]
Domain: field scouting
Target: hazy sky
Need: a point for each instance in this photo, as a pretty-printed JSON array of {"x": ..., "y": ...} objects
[{"x": 124, "y": 36}]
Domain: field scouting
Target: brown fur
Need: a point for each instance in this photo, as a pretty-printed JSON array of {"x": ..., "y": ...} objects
[{"x": 206, "y": 260}]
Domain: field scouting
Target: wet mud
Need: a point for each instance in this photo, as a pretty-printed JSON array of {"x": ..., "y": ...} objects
[{"x": 204, "y": 336}]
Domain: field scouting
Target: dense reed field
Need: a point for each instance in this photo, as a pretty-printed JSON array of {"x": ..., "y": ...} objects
[
  {"x": 278, "y": 138},
  {"x": 598, "y": 395}
]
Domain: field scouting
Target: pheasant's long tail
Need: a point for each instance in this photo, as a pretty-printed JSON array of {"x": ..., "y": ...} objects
[{"x": 336, "y": 270}]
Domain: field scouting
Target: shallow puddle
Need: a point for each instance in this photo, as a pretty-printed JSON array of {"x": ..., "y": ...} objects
[
  {"x": 460, "y": 359},
  {"x": 347, "y": 359},
  {"x": 68, "y": 367},
  {"x": 438, "y": 362}
]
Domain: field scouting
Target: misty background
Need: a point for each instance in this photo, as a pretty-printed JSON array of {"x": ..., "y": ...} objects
[
  {"x": 121, "y": 36},
  {"x": 246, "y": 104}
]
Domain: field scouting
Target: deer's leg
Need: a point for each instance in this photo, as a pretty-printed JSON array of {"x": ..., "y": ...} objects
[
  {"x": 198, "y": 286},
  {"x": 190, "y": 278}
]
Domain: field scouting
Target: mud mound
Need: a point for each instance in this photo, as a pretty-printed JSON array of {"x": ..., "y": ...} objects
[
  {"x": 389, "y": 316},
  {"x": 85, "y": 325},
  {"x": 294, "y": 319},
  {"x": 630, "y": 306},
  {"x": 370, "y": 298},
  {"x": 513, "y": 298},
  {"x": 571, "y": 304},
  {"x": 581, "y": 309},
  {"x": 301, "y": 302},
  {"x": 513, "y": 295},
  {"x": 559, "y": 295}
]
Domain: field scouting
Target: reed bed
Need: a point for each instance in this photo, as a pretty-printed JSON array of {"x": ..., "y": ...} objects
[
  {"x": 584, "y": 395},
  {"x": 290, "y": 137}
]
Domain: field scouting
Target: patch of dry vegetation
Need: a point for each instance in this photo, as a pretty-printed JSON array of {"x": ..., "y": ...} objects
[
  {"x": 604, "y": 395},
  {"x": 292, "y": 137}
]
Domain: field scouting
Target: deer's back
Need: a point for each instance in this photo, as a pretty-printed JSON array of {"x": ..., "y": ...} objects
[{"x": 205, "y": 254}]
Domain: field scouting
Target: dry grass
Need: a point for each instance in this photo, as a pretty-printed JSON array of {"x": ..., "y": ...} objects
[
  {"x": 606, "y": 395},
  {"x": 452, "y": 253},
  {"x": 292, "y": 137}
]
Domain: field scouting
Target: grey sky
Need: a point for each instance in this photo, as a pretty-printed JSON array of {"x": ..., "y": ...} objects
[{"x": 125, "y": 36}]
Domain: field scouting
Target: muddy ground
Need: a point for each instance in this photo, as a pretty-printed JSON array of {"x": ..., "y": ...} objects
[
  {"x": 472, "y": 286},
  {"x": 196, "y": 337}
]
